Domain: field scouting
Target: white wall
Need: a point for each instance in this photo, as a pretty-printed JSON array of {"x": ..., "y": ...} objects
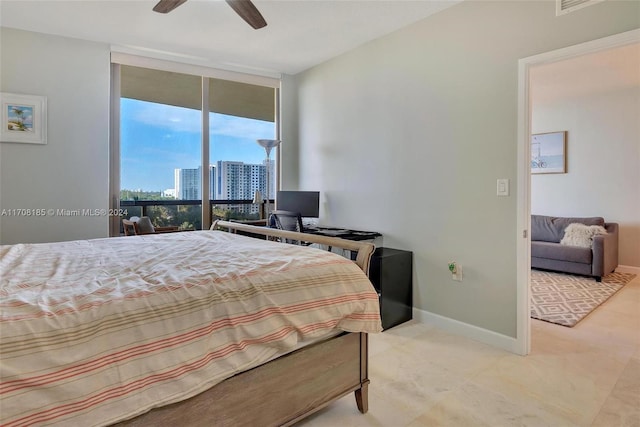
[
  {"x": 407, "y": 135},
  {"x": 289, "y": 171},
  {"x": 602, "y": 120},
  {"x": 71, "y": 171}
]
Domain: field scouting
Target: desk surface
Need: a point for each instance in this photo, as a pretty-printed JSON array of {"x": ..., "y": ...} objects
[{"x": 343, "y": 233}]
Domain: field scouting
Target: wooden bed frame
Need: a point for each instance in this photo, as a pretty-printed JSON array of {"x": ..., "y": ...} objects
[{"x": 289, "y": 388}]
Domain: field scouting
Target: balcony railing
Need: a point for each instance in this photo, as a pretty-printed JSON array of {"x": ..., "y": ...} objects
[{"x": 187, "y": 214}]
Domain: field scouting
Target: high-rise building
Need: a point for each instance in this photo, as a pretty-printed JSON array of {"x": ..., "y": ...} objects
[
  {"x": 239, "y": 181},
  {"x": 229, "y": 180},
  {"x": 188, "y": 183},
  {"x": 212, "y": 182}
]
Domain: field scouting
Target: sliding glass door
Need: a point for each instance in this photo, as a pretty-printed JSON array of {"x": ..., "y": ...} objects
[
  {"x": 183, "y": 168},
  {"x": 160, "y": 139},
  {"x": 239, "y": 114}
]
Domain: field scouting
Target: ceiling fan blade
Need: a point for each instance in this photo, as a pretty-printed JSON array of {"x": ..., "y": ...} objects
[
  {"x": 166, "y": 6},
  {"x": 248, "y": 12}
]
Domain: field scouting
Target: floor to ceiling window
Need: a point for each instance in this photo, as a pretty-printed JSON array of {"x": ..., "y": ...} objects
[
  {"x": 240, "y": 113},
  {"x": 160, "y": 140},
  {"x": 165, "y": 143}
]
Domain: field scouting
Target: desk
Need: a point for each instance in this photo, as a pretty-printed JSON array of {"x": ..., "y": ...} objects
[{"x": 342, "y": 233}]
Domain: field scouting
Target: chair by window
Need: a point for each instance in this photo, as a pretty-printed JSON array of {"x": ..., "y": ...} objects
[
  {"x": 138, "y": 226},
  {"x": 290, "y": 221}
]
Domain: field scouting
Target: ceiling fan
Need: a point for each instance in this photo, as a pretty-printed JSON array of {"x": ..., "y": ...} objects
[{"x": 244, "y": 8}]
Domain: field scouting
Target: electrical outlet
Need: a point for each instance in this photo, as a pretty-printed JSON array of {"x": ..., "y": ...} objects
[
  {"x": 457, "y": 274},
  {"x": 456, "y": 271},
  {"x": 452, "y": 267}
]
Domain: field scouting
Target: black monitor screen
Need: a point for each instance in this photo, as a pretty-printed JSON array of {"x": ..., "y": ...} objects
[{"x": 305, "y": 202}]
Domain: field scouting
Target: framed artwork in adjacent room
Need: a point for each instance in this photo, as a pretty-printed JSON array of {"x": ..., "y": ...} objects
[
  {"x": 549, "y": 152},
  {"x": 24, "y": 118}
]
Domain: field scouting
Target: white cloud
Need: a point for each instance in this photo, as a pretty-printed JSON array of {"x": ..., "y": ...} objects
[
  {"x": 220, "y": 124},
  {"x": 174, "y": 119}
]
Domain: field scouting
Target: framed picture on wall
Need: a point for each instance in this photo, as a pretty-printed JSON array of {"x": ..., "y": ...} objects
[
  {"x": 549, "y": 152},
  {"x": 24, "y": 118}
]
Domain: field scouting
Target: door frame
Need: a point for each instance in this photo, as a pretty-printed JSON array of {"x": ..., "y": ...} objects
[{"x": 523, "y": 262}]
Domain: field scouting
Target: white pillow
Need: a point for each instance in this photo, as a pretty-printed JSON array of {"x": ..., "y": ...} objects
[{"x": 577, "y": 234}]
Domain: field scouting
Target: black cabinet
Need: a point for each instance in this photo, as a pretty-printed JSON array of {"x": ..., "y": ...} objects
[{"x": 391, "y": 273}]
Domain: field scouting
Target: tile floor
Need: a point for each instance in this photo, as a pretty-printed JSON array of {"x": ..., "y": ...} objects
[{"x": 588, "y": 375}]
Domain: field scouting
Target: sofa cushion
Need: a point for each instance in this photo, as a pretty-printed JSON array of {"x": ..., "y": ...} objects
[
  {"x": 551, "y": 228},
  {"x": 556, "y": 251}
]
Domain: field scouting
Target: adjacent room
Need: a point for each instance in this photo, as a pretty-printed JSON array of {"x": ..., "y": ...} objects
[
  {"x": 588, "y": 104},
  {"x": 360, "y": 187}
]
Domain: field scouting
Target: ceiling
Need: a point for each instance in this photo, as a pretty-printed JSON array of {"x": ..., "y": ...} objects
[{"x": 299, "y": 34}]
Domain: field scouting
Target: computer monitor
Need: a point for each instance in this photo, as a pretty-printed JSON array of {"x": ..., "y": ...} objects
[{"x": 305, "y": 202}]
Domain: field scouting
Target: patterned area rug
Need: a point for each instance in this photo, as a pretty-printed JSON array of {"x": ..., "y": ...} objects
[{"x": 565, "y": 299}]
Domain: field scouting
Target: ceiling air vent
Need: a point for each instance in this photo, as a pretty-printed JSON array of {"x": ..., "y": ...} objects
[{"x": 566, "y": 6}]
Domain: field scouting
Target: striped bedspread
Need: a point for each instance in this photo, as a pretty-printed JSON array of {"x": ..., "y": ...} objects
[{"x": 96, "y": 331}]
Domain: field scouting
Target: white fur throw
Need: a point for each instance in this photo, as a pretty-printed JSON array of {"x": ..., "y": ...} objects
[{"x": 577, "y": 234}]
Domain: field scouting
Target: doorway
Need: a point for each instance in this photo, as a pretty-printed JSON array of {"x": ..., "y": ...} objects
[{"x": 524, "y": 164}]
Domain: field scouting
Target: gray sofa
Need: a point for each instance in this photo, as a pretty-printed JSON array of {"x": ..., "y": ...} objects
[{"x": 548, "y": 254}]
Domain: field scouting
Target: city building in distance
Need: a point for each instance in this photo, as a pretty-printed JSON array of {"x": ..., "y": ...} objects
[{"x": 229, "y": 180}]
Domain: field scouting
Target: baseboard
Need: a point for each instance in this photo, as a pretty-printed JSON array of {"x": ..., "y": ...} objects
[
  {"x": 466, "y": 330},
  {"x": 627, "y": 269}
]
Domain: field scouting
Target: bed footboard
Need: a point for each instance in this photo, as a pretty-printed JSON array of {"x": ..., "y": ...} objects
[{"x": 277, "y": 393}]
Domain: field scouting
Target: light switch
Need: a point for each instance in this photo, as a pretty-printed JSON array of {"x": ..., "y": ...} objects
[{"x": 503, "y": 187}]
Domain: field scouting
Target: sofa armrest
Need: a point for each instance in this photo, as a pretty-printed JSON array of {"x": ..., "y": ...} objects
[{"x": 605, "y": 251}]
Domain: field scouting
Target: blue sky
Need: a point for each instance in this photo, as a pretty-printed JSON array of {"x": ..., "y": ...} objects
[{"x": 155, "y": 139}]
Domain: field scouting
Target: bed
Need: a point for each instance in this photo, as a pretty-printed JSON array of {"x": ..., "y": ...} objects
[{"x": 195, "y": 328}]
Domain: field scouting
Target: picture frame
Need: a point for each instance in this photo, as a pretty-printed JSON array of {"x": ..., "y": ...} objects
[
  {"x": 549, "y": 152},
  {"x": 24, "y": 118}
]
